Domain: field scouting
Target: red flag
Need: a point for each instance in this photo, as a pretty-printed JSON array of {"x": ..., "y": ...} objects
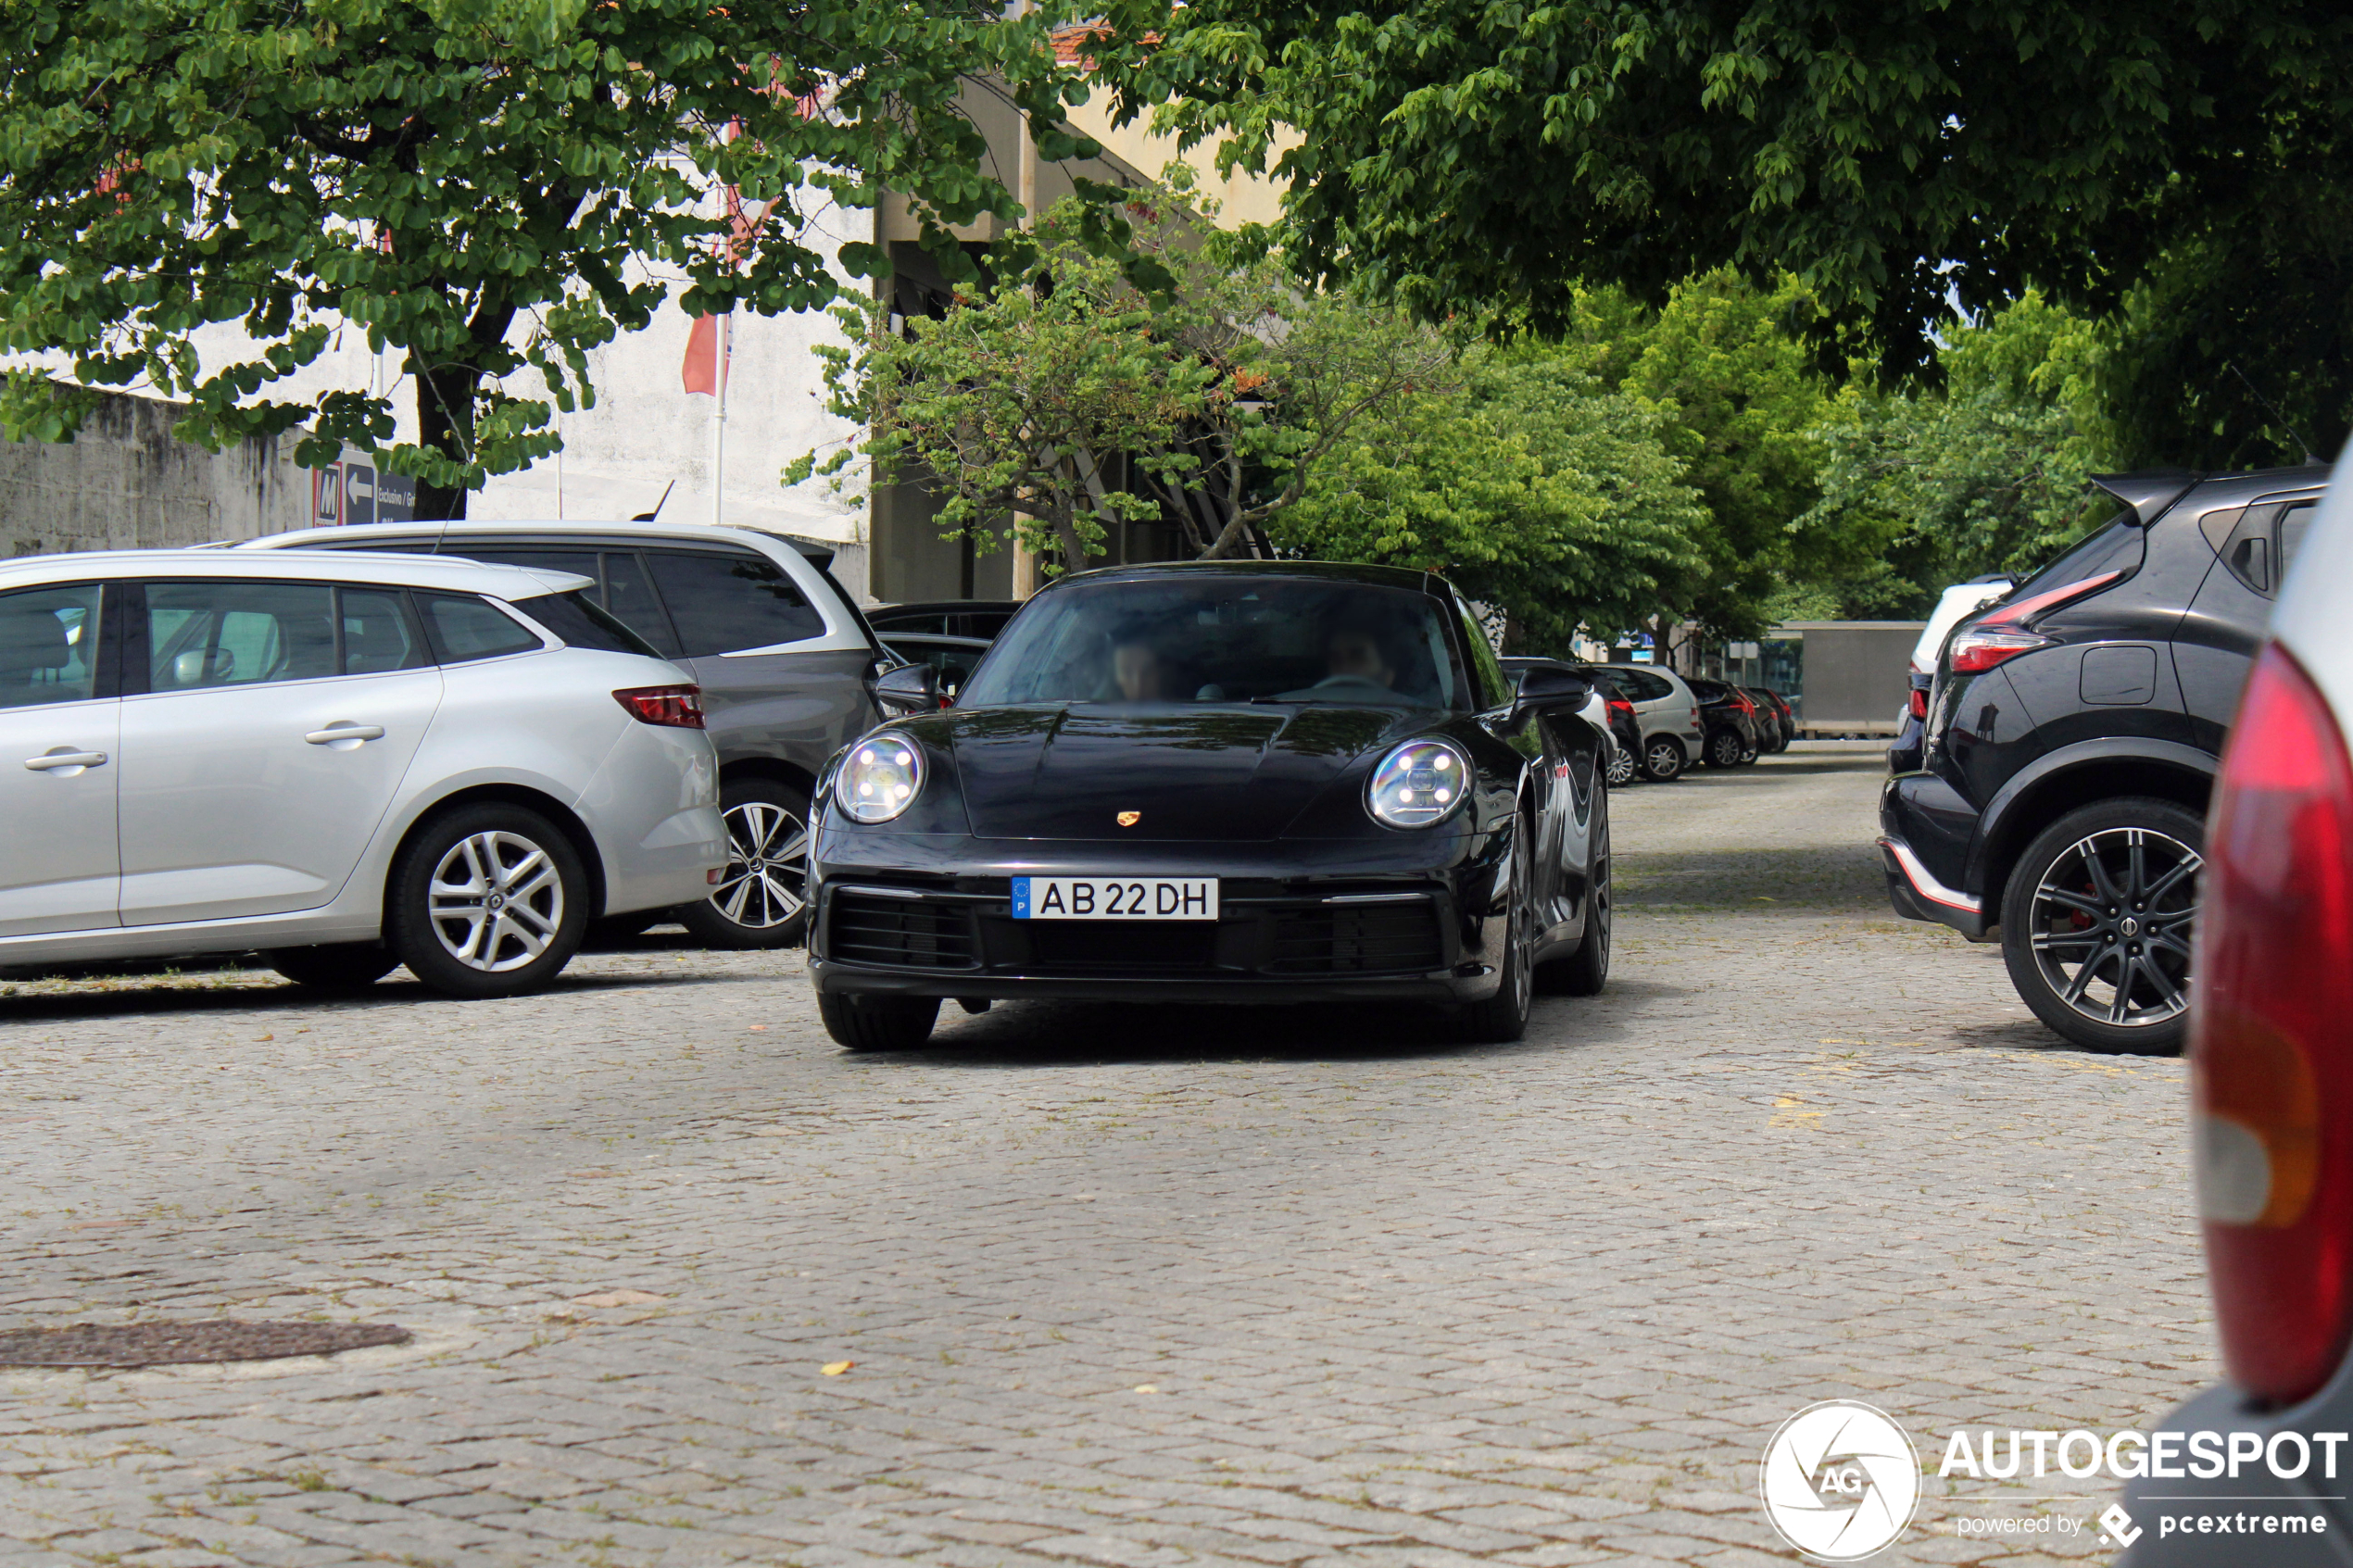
[{"x": 702, "y": 371}]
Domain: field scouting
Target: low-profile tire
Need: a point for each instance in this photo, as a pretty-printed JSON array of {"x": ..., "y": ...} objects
[
  {"x": 877, "y": 1023},
  {"x": 339, "y": 966},
  {"x": 1502, "y": 1017},
  {"x": 760, "y": 901},
  {"x": 1722, "y": 750},
  {"x": 1663, "y": 758},
  {"x": 1586, "y": 971},
  {"x": 487, "y": 900},
  {"x": 2096, "y": 921}
]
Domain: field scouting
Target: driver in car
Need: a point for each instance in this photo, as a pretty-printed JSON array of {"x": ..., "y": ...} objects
[
  {"x": 1135, "y": 670},
  {"x": 1355, "y": 653}
]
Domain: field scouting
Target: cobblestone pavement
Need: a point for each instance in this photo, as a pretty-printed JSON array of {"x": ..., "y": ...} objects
[{"x": 1112, "y": 1286}]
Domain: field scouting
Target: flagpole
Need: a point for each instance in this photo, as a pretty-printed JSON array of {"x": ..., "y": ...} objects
[{"x": 719, "y": 420}]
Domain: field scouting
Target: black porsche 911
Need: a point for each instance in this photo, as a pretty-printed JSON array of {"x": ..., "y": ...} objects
[{"x": 1219, "y": 782}]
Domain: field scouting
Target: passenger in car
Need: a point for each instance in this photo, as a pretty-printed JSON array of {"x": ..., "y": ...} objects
[
  {"x": 1356, "y": 652},
  {"x": 1135, "y": 670}
]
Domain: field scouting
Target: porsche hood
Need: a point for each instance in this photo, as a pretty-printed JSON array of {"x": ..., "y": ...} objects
[{"x": 1084, "y": 772}]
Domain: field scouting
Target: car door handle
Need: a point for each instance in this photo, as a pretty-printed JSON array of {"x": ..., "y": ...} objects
[
  {"x": 65, "y": 759},
  {"x": 334, "y": 732}
]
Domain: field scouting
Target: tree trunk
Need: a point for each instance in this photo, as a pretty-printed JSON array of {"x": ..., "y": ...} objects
[{"x": 446, "y": 415}]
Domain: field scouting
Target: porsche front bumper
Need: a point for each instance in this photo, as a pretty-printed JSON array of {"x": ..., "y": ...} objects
[{"x": 927, "y": 915}]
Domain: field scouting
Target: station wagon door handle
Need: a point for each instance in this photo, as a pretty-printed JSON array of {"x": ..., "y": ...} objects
[
  {"x": 334, "y": 732},
  {"x": 65, "y": 759}
]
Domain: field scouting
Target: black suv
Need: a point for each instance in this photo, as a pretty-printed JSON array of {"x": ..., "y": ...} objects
[
  {"x": 1734, "y": 733},
  {"x": 2072, "y": 732}
]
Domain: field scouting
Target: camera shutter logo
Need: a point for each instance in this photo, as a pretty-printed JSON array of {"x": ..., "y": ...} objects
[{"x": 1840, "y": 1481}]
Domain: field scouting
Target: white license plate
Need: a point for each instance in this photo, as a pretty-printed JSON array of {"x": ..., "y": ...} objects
[{"x": 1115, "y": 897}]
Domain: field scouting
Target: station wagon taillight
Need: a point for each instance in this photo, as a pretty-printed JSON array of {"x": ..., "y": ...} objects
[
  {"x": 2272, "y": 1039},
  {"x": 678, "y": 707}
]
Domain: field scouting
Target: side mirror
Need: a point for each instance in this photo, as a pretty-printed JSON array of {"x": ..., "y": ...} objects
[
  {"x": 1547, "y": 690},
  {"x": 911, "y": 688}
]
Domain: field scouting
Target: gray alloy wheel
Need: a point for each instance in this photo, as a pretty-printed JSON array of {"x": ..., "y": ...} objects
[
  {"x": 1725, "y": 749},
  {"x": 2096, "y": 925},
  {"x": 1621, "y": 769},
  {"x": 760, "y": 901},
  {"x": 1662, "y": 758},
  {"x": 496, "y": 901}
]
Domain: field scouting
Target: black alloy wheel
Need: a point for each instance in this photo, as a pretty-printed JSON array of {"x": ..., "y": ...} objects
[
  {"x": 878, "y": 1024},
  {"x": 339, "y": 966},
  {"x": 2096, "y": 922},
  {"x": 760, "y": 901},
  {"x": 1662, "y": 758},
  {"x": 1502, "y": 1017},
  {"x": 1725, "y": 749},
  {"x": 1586, "y": 971}
]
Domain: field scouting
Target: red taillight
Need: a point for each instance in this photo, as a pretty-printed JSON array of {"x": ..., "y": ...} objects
[
  {"x": 1977, "y": 649},
  {"x": 679, "y": 706},
  {"x": 1744, "y": 704},
  {"x": 2272, "y": 1039},
  {"x": 1621, "y": 709},
  {"x": 1920, "y": 702}
]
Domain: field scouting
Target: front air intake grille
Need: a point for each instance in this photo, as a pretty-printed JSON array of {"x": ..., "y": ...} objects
[
  {"x": 869, "y": 928},
  {"x": 1358, "y": 940},
  {"x": 1123, "y": 946}
]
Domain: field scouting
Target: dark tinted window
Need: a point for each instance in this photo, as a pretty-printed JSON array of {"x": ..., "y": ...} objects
[
  {"x": 464, "y": 628},
  {"x": 724, "y": 604},
  {"x": 48, "y": 644},
  {"x": 377, "y": 635},
  {"x": 629, "y": 595},
  {"x": 2295, "y": 523},
  {"x": 582, "y": 623},
  {"x": 2116, "y": 547},
  {"x": 1640, "y": 686},
  {"x": 1708, "y": 691}
]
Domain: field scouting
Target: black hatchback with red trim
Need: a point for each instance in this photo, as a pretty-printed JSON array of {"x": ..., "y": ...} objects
[{"x": 2072, "y": 734}]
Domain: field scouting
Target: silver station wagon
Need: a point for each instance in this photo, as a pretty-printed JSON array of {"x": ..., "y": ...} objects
[{"x": 348, "y": 761}]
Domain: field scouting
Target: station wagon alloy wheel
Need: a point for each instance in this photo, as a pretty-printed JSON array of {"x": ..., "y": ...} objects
[
  {"x": 496, "y": 901},
  {"x": 761, "y": 899}
]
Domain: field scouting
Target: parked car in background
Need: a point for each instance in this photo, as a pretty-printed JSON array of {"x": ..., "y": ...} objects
[
  {"x": 1733, "y": 731},
  {"x": 1776, "y": 721},
  {"x": 348, "y": 761},
  {"x": 2272, "y": 1077},
  {"x": 1606, "y": 710},
  {"x": 1960, "y": 601},
  {"x": 784, "y": 658},
  {"x": 946, "y": 618},
  {"x": 1668, "y": 715},
  {"x": 1245, "y": 781},
  {"x": 951, "y": 660},
  {"x": 2071, "y": 742}
]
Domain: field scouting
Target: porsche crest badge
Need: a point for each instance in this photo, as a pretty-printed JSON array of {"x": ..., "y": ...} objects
[{"x": 1129, "y": 818}]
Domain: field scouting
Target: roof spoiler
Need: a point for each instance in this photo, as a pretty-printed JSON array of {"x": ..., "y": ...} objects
[{"x": 2149, "y": 492}]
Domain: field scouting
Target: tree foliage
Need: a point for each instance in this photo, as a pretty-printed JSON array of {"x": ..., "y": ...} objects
[
  {"x": 1891, "y": 154},
  {"x": 1524, "y": 484},
  {"x": 468, "y": 182},
  {"x": 1066, "y": 398}
]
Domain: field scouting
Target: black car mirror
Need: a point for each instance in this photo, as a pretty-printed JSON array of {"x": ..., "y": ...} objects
[
  {"x": 1548, "y": 690},
  {"x": 911, "y": 688}
]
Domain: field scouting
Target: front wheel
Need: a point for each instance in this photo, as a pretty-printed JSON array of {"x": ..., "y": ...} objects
[
  {"x": 339, "y": 966},
  {"x": 760, "y": 901},
  {"x": 487, "y": 900},
  {"x": 1662, "y": 758},
  {"x": 2096, "y": 921},
  {"x": 1502, "y": 1017},
  {"x": 878, "y": 1024}
]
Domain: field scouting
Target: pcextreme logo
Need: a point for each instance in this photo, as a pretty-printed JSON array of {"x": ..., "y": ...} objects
[{"x": 1839, "y": 1480}]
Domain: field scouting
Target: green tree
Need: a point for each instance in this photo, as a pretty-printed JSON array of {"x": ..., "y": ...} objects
[
  {"x": 1214, "y": 397},
  {"x": 1986, "y": 474},
  {"x": 1891, "y": 154},
  {"x": 1525, "y": 484},
  {"x": 473, "y": 183}
]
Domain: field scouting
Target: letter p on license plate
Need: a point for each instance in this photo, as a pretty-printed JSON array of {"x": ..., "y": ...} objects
[{"x": 1115, "y": 897}]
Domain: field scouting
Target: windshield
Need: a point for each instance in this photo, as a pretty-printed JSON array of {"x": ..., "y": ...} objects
[{"x": 1220, "y": 639}]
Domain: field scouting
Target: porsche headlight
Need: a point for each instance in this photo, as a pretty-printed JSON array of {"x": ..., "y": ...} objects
[
  {"x": 880, "y": 778},
  {"x": 1420, "y": 782}
]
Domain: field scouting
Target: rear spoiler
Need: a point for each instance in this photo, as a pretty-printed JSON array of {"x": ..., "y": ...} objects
[{"x": 2149, "y": 492}]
